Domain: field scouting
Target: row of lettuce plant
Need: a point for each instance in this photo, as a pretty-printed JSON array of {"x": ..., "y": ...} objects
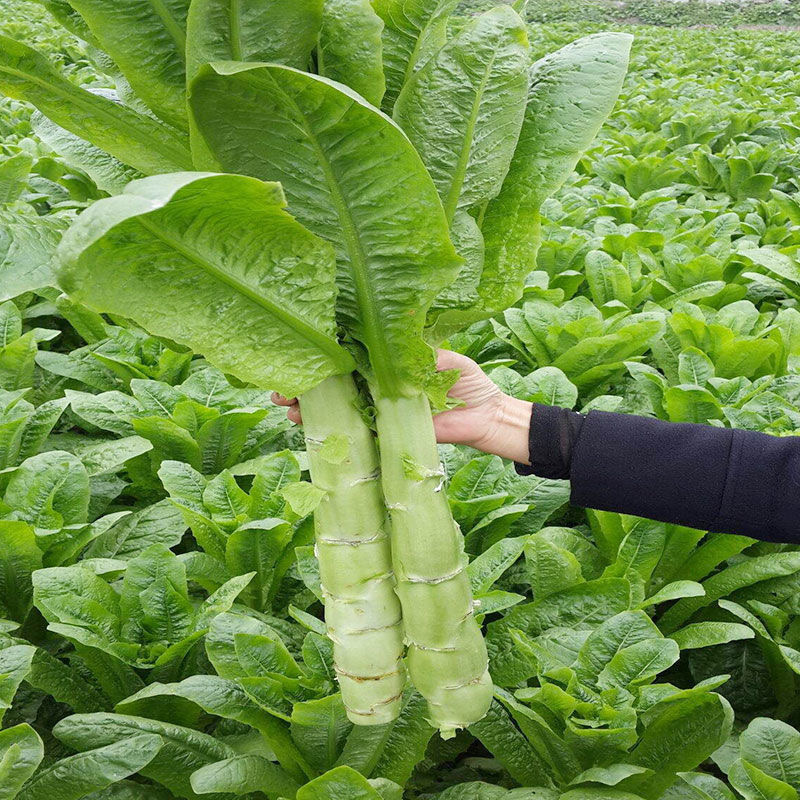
[{"x": 248, "y": 511}]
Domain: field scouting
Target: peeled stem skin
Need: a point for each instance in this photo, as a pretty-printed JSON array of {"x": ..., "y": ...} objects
[
  {"x": 447, "y": 656},
  {"x": 362, "y": 611}
]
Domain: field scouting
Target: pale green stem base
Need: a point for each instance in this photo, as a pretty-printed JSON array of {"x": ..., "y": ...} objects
[
  {"x": 447, "y": 654},
  {"x": 362, "y": 612}
]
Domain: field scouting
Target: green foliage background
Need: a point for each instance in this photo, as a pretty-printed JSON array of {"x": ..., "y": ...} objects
[
  {"x": 658, "y": 12},
  {"x": 673, "y": 252}
]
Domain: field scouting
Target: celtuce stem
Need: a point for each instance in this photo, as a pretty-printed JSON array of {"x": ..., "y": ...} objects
[
  {"x": 447, "y": 656},
  {"x": 362, "y": 612}
]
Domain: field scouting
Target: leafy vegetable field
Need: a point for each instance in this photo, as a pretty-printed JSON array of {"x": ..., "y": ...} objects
[{"x": 161, "y": 578}]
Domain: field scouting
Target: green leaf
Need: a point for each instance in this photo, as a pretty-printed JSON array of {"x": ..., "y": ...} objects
[
  {"x": 77, "y": 776},
  {"x": 708, "y": 634},
  {"x": 492, "y": 563},
  {"x": 221, "y": 697},
  {"x": 350, "y": 48},
  {"x": 640, "y": 550},
  {"x": 243, "y": 774},
  {"x": 694, "y": 367},
  {"x": 498, "y": 733},
  {"x": 19, "y": 558},
  {"x": 775, "y": 262},
  {"x": 104, "y": 456},
  {"x": 639, "y": 663},
  {"x": 414, "y": 30},
  {"x": 65, "y": 683},
  {"x": 674, "y": 591},
  {"x": 550, "y": 746},
  {"x": 17, "y": 361},
  {"x": 611, "y": 638},
  {"x": 308, "y": 569},
  {"x": 707, "y": 786},
  {"x": 14, "y": 173},
  {"x": 608, "y": 279},
  {"x": 277, "y": 277},
  {"x": 550, "y": 568},
  {"x": 774, "y": 747},
  {"x": 147, "y": 43},
  {"x": 496, "y": 600},
  {"x": 109, "y": 411},
  {"x": 464, "y": 109},
  {"x": 609, "y": 776},
  {"x": 154, "y": 596},
  {"x": 691, "y": 404},
  {"x": 184, "y": 750},
  {"x": 754, "y": 784},
  {"x": 387, "y": 790},
  {"x": 319, "y": 728},
  {"x": 261, "y": 655},
  {"x": 50, "y": 490},
  {"x": 133, "y": 138},
  {"x": 223, "y": 438},
  {"x": 220, "y": 642},
  {"x": 225, "y": 499},
  {"x": 337, "y": 784},
  {"x": 302, "y": 497},
  {"x": 572, "y": 92},
  {"x": 272, "y": 474},
  {"x": 349, "y": 196},
  {"x": 674, "y": 742},
  {"x": 257, "y": 546},
  {"x": 109, "y": 173},
  {"x": 393, "y": 750},
  {"x": 715, "y": 549},
  {"x": 21, "y": 752},
  {"x": 39, "y": 426},
  {"x": 580, "y": 606},
  {"x": 599, "y": 794},
  {"x": 281, "y": 31},
  {"x": 476, "y": 791},
  {"x": 10, "y": 323},
  {"x": 160, "y": 523},
  {"x": 27, "y": 247},
  {"x": 15, "y": 664},
  {"x": 746, "y": 573}
]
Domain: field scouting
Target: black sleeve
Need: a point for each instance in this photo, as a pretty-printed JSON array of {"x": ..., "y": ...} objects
[{"x": 704, "y": 477}]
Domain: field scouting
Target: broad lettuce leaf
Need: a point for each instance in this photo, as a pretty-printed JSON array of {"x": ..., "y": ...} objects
[
  {"x": 350, "y": 49},
  {"x": 414, "y": 30},
  {"x": 135, "y": 139},
  {"x": 572, "y": 91},
  {"x": 349, "y": 174},
  {"x": 147, "y": 43},
  {"x": 152, "y": 253},
  {"x": 279, "y": 31}
]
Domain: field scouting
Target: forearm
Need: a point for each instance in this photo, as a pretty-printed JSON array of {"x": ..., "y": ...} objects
[{"x": 695, "y": 475}]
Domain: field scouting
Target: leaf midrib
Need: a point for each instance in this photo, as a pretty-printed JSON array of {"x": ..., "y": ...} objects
[
  {"x": 172, "y": 27},
  {"x": 290, "y": 319},
  {"x": 460, "y": 173},
  {"x": 379, "y": 352},
  {"x": 236, "y": 30}
]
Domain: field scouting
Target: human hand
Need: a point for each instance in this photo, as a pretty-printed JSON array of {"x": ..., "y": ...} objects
[
  {"x": 488, "y": 420},
  {"x": 292, "y": 406}
]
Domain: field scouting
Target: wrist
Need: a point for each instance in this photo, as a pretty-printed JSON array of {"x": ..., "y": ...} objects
[{"x": 509, "y": 435}]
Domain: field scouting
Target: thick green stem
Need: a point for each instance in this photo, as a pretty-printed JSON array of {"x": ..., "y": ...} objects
[
  {"x": 362, "y": 612},
  {"x": 447, "y": 654}
]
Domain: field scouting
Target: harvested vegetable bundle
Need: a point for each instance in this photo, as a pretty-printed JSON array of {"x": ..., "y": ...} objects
[{"x": 400, "y": 232}]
